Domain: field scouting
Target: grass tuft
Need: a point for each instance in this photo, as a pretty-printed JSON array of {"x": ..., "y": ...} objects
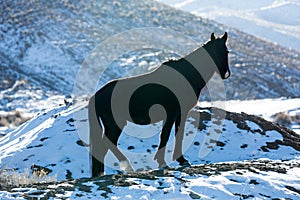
[{"x": 12, "y": 178}]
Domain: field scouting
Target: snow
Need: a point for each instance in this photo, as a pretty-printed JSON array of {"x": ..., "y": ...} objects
[
  {"x": 265, "y": 108},
  {"x": 274, "y": 20},
  {"x": 30, "y": 144},
  {"x": 261, "y": 107},
  {"x": 227, "y": 185},
  {"x": 56, "y": 135}
]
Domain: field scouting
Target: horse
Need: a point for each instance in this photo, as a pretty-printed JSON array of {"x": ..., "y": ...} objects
[{"x": 165, "y": 94}]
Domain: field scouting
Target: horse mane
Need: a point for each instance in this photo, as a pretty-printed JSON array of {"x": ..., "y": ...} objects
[{"x": 172, "y": 60}]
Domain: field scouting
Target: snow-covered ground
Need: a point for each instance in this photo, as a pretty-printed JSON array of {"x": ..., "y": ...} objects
[
  {"x": 266, "y": 108},
  {"x": 274, "y": 20},
  {"x": 56, "y": 137},
  {"x": 249, "y": 158},
  {"x": 49, "y": 128}
]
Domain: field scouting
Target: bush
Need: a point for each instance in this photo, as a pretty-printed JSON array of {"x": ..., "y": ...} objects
[
  {"x": 11, "y": 178},
  {"x": 13, "y": 119},
  {"x": 282, "y": 119}
]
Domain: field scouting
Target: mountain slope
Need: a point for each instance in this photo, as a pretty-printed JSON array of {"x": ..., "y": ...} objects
[
  {"x": 237, "y": 152},
  {"x": 45, "y": 43},
  {"x": 259, "y": 18},
  {"x": 219, "y": 181}
]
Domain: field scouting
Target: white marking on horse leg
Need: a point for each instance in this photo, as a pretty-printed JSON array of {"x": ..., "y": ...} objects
[{"x": 227, "y": 74}]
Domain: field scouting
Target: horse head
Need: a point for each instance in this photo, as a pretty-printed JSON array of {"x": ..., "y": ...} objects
[{"x": 218, "y": 51}]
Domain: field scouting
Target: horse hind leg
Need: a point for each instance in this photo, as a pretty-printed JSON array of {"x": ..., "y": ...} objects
[{"x": 98, "y": 149}]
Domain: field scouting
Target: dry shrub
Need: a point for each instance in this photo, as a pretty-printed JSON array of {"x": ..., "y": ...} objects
[
  {"x": 285, "y": 119},
  {"x": 282, "y": 119},
  {"x": 13, "y": 119},
  {"x": 12, "y": 178}
]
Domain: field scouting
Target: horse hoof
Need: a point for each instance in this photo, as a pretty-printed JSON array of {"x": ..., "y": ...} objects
[
  {"x": 185, "y": 164},
  {"x": 163, "y": 170},
  {"x": 166, "y": 167},
  {"x": 163, "y": 166},
  {"x": 126, "y": 166}
]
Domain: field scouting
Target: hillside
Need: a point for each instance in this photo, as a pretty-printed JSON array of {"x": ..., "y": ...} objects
[
  {"x": 45, "y": 43},
  {"x": 232, "y": 155},
  {"x": 259, "y": 18},
  {"x": 44, "y": 51}
]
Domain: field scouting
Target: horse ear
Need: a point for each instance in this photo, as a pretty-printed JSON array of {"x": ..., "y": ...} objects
[
  {"x": 212, "y": 37},
  {"x": 225, "y": 36}
]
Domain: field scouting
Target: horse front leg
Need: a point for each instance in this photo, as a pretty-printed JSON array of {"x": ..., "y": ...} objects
[
  {"x": 179, "y": 133},
  {"x": 111, "y": 141},
  {"x": 164, "y": 137}
]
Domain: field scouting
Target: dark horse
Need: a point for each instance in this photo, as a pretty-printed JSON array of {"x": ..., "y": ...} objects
[{"x": 166, "y": 94}]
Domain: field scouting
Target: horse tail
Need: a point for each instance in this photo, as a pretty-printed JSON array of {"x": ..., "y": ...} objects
[{"x": 96, "y": 160}]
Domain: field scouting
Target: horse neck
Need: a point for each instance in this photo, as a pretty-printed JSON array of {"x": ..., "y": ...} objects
[
  {"x": 202, "y": 62},
  {"x": 197, "y": 67}
]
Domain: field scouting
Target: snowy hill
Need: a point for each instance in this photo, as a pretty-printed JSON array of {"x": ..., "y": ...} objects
[
  {"x": 45, "y": 44},
  {"x": 274, "y": 20},
  {"x": 233, "y": 156}
]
